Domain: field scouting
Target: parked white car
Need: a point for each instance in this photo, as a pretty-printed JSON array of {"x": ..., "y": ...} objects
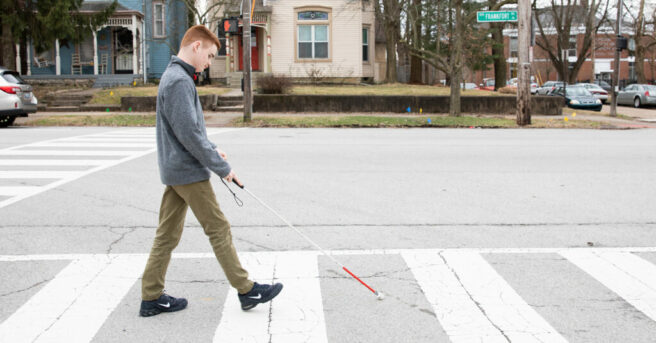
[
  {"x": 549, "y": 87},
  {"x": 16, "y": 98},
  {"x": 596, "y": 91}
]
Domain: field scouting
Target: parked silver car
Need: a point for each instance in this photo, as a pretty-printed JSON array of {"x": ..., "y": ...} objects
[
  {"x": 596, "y": 91},
  {"x": 637, "y": 95},
  {"x": 16, "y": 98},
  {"x": 548, "y": 87}
]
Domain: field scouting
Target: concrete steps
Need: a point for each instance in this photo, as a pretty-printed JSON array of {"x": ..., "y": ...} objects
[
  {"x": 113, "y": 80},
  {"x": 229, "y": 104}
]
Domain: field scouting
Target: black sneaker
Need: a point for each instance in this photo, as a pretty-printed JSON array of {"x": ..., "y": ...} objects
[
  {"x": 165, "y": 303},
  {"x": 258, "y": 295}
]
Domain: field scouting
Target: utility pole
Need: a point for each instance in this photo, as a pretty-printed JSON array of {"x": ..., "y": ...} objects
[
  {"x": 246, "y": 49},
  {"x": 565, "y": 57},
  {"x": 524, "y": 76},
  {"x": 616, "y": 74}
]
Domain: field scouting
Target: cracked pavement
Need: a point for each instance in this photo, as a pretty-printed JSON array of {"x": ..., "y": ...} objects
[{"x": 358, "y": 190}]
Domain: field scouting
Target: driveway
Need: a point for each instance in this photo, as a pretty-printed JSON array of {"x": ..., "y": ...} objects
[{"x": 638, "y": 113}]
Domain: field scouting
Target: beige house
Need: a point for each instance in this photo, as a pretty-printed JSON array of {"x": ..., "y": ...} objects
[{"x": 331, "y": 40}]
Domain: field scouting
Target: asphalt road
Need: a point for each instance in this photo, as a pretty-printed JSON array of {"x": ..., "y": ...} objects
[{"x": 473, "y": 235}]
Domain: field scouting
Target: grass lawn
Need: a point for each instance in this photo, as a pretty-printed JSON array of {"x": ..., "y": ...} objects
[
  {"x": 96, "y": 120},
  {"x": 342, "y": 121},
  {"x": 570, "y": 111},
  {"x": 407, "y": 121},
  {"x": 113, "y": 95},
  {"x": 387, "y": 89}
]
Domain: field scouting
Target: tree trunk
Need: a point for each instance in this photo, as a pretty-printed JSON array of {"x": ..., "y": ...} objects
[
  {"x": 454, "y": 98},
  {"x": 8, "y": 53},
  {"x": 639, "y": 63},
  {"x": 499, "y": 57},
  {"x": 456, "y": 62},
  {"x": 390, "y": 23},
  {"x": 390, "y": 74},
  {"x": 416, "y": 76}
]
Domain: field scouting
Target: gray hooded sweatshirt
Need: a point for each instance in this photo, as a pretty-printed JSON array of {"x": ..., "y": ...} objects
[{"x": 184, "y": 153}]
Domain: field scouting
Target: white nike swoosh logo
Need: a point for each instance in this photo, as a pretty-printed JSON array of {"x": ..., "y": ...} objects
[
  {"x": 167, "y": 305},
  {"x": 259, "y": 296}
]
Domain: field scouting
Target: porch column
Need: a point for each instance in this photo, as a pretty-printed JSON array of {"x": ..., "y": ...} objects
[
  {"x": 18, "y": 64},
  {"x": 227, "y": 60},
  {"x": 29, "y": 57},
  {"x": 134, "y": 44},
  {"x": 95, "y": 53},
  {"x": 57, "y": 58},
  {"x": 141, "y": 49},
  {"x": 267, "y": 60}
]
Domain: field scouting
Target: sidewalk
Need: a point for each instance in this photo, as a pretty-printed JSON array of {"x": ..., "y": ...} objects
[{"x": 220, "y": 119}]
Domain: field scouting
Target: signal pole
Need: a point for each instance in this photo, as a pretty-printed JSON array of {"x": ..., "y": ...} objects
[
  {"x": 524, "y": 77},
  {"x": 616, "y": 73},
  {"x": 246, "y": 48}
]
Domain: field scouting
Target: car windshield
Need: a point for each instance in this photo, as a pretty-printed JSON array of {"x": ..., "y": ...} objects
[
  {"x": 12, "y": 77},
  {"x": 577, "y": 91},
  {"x": 651, "y": 88}
]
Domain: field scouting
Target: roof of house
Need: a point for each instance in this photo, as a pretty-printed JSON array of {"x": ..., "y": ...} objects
[
  {"x": 98, "y": 6},
  {"x": 259, "y": 7}
]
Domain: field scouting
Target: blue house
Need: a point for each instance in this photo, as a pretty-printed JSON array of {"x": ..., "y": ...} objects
[{"x": 139, "y": 38}]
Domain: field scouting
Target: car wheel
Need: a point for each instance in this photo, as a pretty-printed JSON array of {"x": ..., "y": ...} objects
[
  {"x": 6, "y": 120},
  {"x": 636, "y": 102}
]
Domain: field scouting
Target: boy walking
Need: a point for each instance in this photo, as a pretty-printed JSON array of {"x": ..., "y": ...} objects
[{"x": 186, "y": 159}]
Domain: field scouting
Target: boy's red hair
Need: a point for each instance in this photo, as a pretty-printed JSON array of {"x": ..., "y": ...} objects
[{"x": 201, "y": 33}]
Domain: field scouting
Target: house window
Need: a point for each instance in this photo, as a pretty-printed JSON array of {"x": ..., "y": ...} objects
[
  {"x": 513, "y": 47},
  {"x": 159, "y": 20},
  {"x": 313, "y": 15},
  {"x": 86, "y": 49},
  {"x": 313, "y": 41},
  {"x": 312, "y": 35},
  {"x": 513, "y": 69},
  {"x": 571, "y": 51},
  {"x": 365, "y": 45}
]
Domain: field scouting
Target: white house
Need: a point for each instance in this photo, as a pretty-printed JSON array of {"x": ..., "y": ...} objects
[{"x": 332, "y": 40}]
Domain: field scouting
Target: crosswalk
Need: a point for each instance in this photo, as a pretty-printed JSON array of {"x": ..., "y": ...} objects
[
  {"x": 470, "y": 299},
  {"x": 49, "y": 161}
]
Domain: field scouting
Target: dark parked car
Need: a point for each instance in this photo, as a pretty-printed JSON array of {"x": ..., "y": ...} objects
[
  {"x": 637, "y": 95},
  {"x": 603, "y": 84},
  {"x": 578, "y": 97},
  {"x": 16, "y": 98}
]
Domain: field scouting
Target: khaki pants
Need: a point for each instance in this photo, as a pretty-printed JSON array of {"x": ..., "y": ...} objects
[{"x": 200, "y": 197}]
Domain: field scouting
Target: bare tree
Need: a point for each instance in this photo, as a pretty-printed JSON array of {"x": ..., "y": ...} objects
[
  {"x": 214, "y": 11},
  {"x": 414, "y": 16},
  {"x": 498, "y": 48},
  {"x": 555, "y": 24},
  {"x": 390, "y": 14},
  {"x": 644, "y": 41}
]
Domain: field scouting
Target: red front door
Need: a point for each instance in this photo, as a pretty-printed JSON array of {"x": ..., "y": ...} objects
[{"x": 255, "y": 64}]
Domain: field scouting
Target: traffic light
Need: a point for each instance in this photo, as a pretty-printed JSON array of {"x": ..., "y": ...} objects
[
  {"x": 621, "y": 43},
  {"x": 230, "y": 25}
]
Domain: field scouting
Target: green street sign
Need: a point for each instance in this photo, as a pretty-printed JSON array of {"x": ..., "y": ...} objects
[{"x": 496, "y": 16}]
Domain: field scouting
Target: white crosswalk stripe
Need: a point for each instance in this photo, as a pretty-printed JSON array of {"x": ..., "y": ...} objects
[
  {"x": 86, "y": 291},
  {"x": 472, "y": 301},
  {"x": 115, "y": 147},
  {"x": 626, "y": 274}
]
